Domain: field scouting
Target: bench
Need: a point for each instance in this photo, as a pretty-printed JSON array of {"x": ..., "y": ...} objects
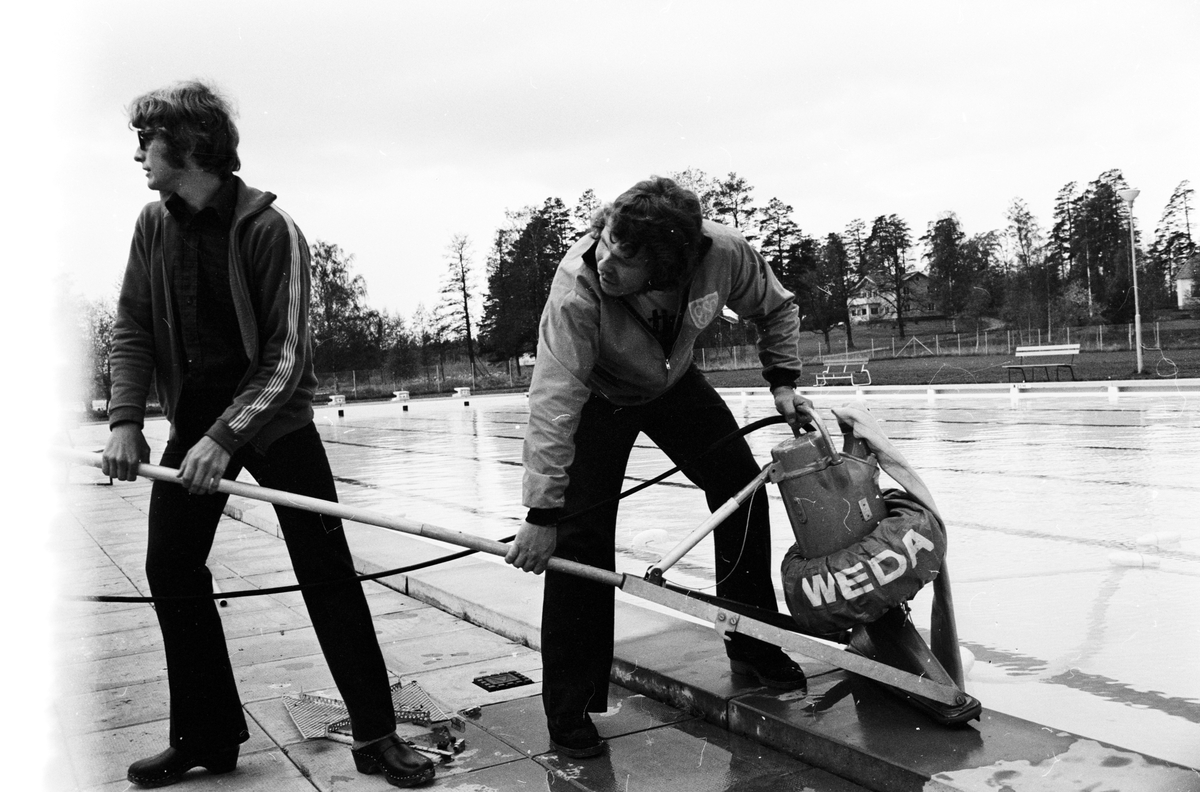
[
  {"x": 848, "y": 366},
  {"x": 1064, "y": 355}
]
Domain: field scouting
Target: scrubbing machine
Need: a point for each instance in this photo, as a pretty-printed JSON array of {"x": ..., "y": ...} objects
[{"x": 856, "y": 536}]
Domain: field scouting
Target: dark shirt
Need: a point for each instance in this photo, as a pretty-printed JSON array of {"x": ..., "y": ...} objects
[{"x": 198, "y": 264}]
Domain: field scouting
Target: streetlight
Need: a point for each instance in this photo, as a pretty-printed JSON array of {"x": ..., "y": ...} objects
[{"x": 1127, "y": 196}]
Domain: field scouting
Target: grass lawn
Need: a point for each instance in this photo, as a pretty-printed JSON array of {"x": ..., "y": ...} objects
[{"x": 954, "y": 369}]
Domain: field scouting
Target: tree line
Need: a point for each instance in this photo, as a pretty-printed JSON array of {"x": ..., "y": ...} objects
[{"x": 1075, "y": 272}]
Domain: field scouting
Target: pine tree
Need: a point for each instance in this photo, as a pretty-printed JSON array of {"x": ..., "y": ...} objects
[{"x": 886, "y": 253}]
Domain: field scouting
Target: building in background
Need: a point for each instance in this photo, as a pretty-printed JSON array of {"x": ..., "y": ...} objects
[
  {"x": 869, "y": 301},
  {"x": 1185, "y": 281}
]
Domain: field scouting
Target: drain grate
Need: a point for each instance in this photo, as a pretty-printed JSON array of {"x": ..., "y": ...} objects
[
  {"x": 502, "y": 681},
  {"x": 321, "y": 716}
]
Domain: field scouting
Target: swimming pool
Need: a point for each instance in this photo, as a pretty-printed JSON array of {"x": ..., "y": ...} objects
[{"x": 1074, "y": 544}]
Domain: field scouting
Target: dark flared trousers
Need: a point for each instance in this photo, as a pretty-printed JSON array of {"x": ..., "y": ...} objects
[
  {"x": 577, "y": 615},
  {"x": 206, "y": 711}
]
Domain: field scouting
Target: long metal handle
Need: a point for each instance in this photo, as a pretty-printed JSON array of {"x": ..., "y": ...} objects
[
  {"x": 355, "y": 514},
  {"x": 705, "y": 528},
  {"x": 723, "y": 621}
]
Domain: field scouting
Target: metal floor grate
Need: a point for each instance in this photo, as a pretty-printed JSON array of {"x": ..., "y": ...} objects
[{"x": 320, "y": 716}]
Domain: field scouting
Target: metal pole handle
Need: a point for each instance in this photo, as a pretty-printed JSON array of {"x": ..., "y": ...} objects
[{"x": 355, "y": 514}]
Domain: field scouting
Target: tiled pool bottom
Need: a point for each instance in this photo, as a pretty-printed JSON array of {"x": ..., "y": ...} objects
[{"x": 1072, "y": 622}]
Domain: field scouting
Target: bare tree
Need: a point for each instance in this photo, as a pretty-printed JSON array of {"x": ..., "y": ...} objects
[
  {"x": 699, "y": 182},
  {"x": 457, "y": 293}
]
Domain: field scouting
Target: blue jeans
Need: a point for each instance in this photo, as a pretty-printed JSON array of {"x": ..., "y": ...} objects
[
  {"x": 577, "y": 615},
  {"x": 206, "y": 712}
]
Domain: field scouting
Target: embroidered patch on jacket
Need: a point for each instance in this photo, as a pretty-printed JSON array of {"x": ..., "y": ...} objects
[{"x": 704, "y": 310}]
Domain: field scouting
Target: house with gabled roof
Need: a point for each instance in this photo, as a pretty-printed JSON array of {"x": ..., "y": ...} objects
[{"x": 869, "y": 301}]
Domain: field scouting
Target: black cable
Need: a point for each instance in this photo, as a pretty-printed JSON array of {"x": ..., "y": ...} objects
[
  {"x": 741, "y": 432},
  {"x": 285, "y": 589}
]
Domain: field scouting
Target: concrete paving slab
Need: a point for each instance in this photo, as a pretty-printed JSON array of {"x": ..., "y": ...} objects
[
  {"x": 241, "y": 543},
  {"x": 80, "y": 558},
  {"x": 454, "y": 689},
  {"x": 115, "y": 672},
  {"x": 686, "y": 665},
  {"x": 113, "y": 786},
  {"x": 388, "y": 597},
  {"x": 273, "y": 648},
  {"x": 329, "y": 765},
  {"x": 874, "y": 739},
  {"x": 117, "y": 585},
  {"x": 255, "y": 563},
  {"x": 228, "y": 581},
  {"x": 241, "y": 620},
  {"x": 525, "y": 774},
  {"x": 113, "y": 708},
  {"x": 521, "y": 722},
  {"x": 411, "y": 656},
  {"x": 272, "y": 680},
  {"x": 272, "y": 717},
  {"x": 692, "y": 755},
  {"x": 104, "y": 756},
  {"x": 129, "y": 556},
  {"x": 102, "y": 579},
  {"x": 471, "y": 589},
  {"x": 81, "y": 617},
  {"x": 271, "y": 770},
  {"x": 415, "y": 623}
]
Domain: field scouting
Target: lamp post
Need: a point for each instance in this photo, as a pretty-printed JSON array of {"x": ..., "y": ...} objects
[{"x": 1127, "y": 196}]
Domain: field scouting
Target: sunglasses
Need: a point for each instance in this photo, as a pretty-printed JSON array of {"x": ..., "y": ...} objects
[{"x": 145, "y": 136}]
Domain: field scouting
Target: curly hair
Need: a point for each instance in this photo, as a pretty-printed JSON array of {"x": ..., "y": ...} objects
[
  {"x": 192, "y": 119},
  {"x": 661, "y": 217}
]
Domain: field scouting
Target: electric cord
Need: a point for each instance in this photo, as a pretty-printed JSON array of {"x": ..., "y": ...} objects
[
  {"x": 226, "y": 595},
  {"x": 742, "y": 549}
]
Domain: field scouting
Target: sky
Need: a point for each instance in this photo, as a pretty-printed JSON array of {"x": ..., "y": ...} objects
[{"x": 389, "y": 127}]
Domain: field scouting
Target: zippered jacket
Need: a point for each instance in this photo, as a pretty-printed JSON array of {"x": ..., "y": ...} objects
[
  {"x": 590, "y": 343},
  {"x": 269, "y": 278}
]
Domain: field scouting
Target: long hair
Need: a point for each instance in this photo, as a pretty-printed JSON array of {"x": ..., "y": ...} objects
[
  {"x": 661, "y": 217},
  {"x": 192, "y": 119}
]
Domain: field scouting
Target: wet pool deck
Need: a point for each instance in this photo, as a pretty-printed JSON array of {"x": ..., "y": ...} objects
[
  {"x": 677, "y": 719},
  {"x": 112, "y": 708}
]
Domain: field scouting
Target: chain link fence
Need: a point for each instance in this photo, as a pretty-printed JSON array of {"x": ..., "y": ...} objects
[
  {"x": 1091, "y": 338},
  {"x": 454, "y": 371},
  {"x": 440, "y": 378}
]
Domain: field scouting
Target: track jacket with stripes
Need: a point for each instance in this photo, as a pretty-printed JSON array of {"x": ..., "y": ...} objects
[
  {"x": 269, "y": 279},
  {"x": 591, "y": 343}
]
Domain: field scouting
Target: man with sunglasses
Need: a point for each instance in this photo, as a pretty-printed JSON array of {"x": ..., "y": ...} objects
[
  {"x": 214, "y": 310},
  {"x": 614, "y": 359}
]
